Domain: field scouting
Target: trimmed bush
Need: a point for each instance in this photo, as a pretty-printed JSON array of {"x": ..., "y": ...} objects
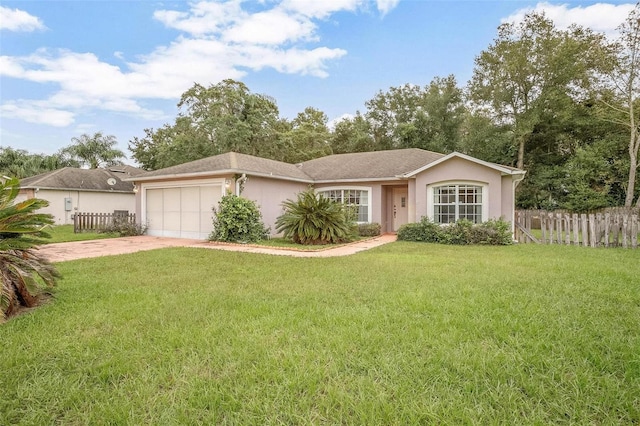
[
  {"x": 369, "y": 229},
  {"x": 238, "y": 220},
  {"x": 463, "y": 232},
  {"x": 492, "y": 232},
  {"x": 424, "y": 231},
  {"x": 458, "y": 233}
]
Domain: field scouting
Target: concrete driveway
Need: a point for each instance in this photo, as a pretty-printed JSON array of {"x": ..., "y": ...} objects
[{"x": 60, "y": 252}]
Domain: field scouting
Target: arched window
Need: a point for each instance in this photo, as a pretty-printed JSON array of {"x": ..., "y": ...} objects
[{"x": 455, "y": 201}]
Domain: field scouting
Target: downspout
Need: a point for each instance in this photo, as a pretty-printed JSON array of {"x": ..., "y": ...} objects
[{"x": 239, "y": 182}]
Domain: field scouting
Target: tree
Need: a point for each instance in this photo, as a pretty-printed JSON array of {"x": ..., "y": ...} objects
[
  {"x": 95, "y": 151},
  {"x": 20, "y": 163},
  {"x": 23, "y": 273},
  {"x": 213, "y": 120},
  {"x": 352, "y": 135},
  {"x": 622, "y": 93},
  {"x": 414, "y": 117},
  {"x": 530, "y": 67},
  {"x": 308, "y": 138}
]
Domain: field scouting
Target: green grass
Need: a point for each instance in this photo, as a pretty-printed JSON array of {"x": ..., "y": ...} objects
[
  {"x": 407, "y": 333},
  {"x": 289, "y": 244},
  {"x": 64, "y": 233}
]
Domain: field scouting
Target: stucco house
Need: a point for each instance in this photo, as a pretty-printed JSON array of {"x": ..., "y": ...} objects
[
  {"x": 389, "y": 187},
  {"x": 71, "y": 190}
]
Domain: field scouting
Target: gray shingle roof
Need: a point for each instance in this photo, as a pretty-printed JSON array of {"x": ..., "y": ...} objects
[
  {"x": 233, "y": 162},
  {"x": 376, "y": 165},
  {"x": 84, "y": 179},
  {"x": 368, "y": 165}
]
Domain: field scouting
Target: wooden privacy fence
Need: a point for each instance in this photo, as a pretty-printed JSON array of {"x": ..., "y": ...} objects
[
  {"x": 99, "y": 221},
  {"x": 614, "y": 227}
]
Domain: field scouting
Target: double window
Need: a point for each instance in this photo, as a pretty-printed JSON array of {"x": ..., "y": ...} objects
[
  {"x": 358, "y": 198},
  {"x": 458, "y": 201}
]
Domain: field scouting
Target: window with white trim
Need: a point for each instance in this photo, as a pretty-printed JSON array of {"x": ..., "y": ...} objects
[
  {"x": 457, "y": 201},
  {"x": 359, "y": 198}
]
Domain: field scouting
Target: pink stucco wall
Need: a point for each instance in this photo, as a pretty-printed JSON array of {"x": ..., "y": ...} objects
[
  {"x": 269, "y": 195},
  {"x": 499, "y": 189}
]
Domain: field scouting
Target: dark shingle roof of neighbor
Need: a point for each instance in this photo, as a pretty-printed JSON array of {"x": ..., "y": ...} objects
[
  {"x": 376, "y": 165},
  {"x": 234, "y": 162},
  {"x": 84, "y": 179}
]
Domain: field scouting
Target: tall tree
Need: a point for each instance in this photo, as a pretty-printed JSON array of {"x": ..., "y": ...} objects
[
  {"x": 95, "y": 150},
  {"x": 308, "y": 138},
  {"x": 411, "y": 116},
  {"x": 212, "y": 120},
  {"x": 529, "y": 67},
  {"x": 622, "y": 93},
  {"x": 352, "y": 134}
]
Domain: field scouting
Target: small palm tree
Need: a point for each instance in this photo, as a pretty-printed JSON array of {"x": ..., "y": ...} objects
[
  {"x": 23, "y": 273},
  {"x": 314, "y": 219}
]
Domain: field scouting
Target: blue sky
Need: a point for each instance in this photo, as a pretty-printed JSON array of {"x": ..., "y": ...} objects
[{"x": 83, "y": 66}]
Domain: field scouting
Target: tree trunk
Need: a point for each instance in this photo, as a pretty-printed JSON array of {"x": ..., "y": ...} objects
[
  {"x": 521, "y": 143},
  {"x": 634, "y": 144}
]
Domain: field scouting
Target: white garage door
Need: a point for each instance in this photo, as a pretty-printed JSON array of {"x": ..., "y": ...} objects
[{"x": 184, "y": 212}]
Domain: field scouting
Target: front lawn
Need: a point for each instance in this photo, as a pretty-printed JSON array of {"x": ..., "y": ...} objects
[
  {"x": 64, "y": 233},
  {"x": 407, "y": 333}
]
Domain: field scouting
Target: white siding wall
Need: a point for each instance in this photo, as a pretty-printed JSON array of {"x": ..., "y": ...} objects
[{"x": 83, "y": 202}]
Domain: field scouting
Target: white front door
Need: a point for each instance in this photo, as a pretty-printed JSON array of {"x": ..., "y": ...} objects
[{"x": 400, "y": 208}]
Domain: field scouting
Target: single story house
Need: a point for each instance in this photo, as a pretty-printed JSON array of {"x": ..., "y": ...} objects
[
  {"x": 71, "y": 190},
  {"x": 388, "y": 187}
]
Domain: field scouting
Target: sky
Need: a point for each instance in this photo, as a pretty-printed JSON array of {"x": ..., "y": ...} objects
[{"x": 118, "y": 67}]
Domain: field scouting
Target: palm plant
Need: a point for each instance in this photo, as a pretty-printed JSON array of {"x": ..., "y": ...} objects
[
  {"x": 314, "y": 219},
  {"x": 23, "y": 273},
  {"x": 95, "y": 151}
]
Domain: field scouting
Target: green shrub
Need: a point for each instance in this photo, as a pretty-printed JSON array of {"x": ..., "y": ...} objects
[
  {"x": 463, "y": 232},
  {"x": 458, "y": 233},
  {"x": 238, "y": 220},
  {"x": 369, "y": 229},
  {"x": 314, "y": 219},
  {"x": 424, "y": 231},
  {"x": 493, "y": 232},
  {"x": 124, "y": 228}
]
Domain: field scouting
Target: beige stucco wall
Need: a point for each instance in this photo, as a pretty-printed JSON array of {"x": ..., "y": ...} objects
[
  {"x": 499, "y": 196},
  {"x": 81, "y": 201}
]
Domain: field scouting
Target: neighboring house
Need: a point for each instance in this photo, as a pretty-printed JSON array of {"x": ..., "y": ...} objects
[
  {"x": 70, "y": 190},
  {"x": 388, "y": 187}
]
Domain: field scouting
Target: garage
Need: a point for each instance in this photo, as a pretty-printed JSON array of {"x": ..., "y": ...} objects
[{"x": 181, "y": 211}]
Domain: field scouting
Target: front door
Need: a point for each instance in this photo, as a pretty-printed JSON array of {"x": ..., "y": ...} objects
[{"x": 400, "y": 208}]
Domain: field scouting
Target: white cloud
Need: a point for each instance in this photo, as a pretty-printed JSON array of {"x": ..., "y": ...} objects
[
  {"x": 219, "y": 40},
  {"x": 601, "y": 17},
  {"x": 273, "y": 27},
  {"x": 385, "y": 6},
  {"x": 37, "y": 112},
  {"x": 19, "y": 20},
  {"x": 203, "y": 17},
  {"x": 332, "y": 123},
  {"x": 322, "y": 9}
]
